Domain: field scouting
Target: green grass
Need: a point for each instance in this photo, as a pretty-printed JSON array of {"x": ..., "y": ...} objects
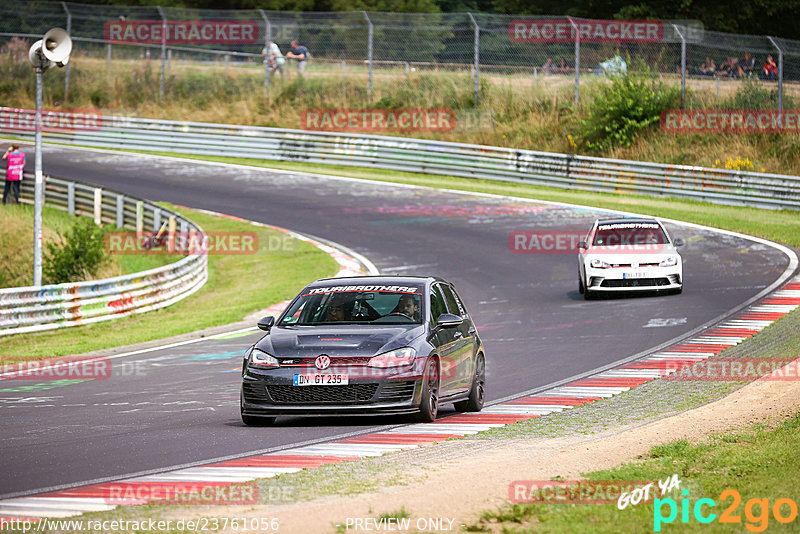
[
  {"x": 756, "y": 462},
  {"x": 781, "y": 226},
  {"x": 237, "y": 286},
  {"x": 16, "y": 246}
]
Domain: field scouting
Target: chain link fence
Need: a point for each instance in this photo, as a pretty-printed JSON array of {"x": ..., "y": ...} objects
[{"x": 461, "y": 53}]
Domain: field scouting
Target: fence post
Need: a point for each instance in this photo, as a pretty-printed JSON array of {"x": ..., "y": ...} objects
[
  {"x": 267, "y": 38},
  {"x": 108, "y": 55},
  {"x": 139, "y": 219},
  {"x": 171, "y": 235},
  {"x": 66, "y": 70},
  {"x": 577, "y": 59},
  {"x": 369, "y": 54},
  {"x": 98, "y": 206},
  {"x": 683, "y": 66},
  {"x": 477, "y": 55},
  {"x": 780, "y": 74},
  {"x": 156, "y": 219},
  {"x": 182, "y": 237},
  {"x": 71, "y": 198},
  {"x": 120, "y": 210},
  {"x": 163, "y": 52}
]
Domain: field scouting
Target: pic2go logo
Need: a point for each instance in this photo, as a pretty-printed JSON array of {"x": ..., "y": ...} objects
[{"x": 756, "y": 511}]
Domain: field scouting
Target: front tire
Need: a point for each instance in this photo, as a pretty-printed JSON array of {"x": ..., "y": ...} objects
[
  {"x": 253, "y": 420},
  {"x": 429, "y": 405},
  {"x": 477, "y": 393}
]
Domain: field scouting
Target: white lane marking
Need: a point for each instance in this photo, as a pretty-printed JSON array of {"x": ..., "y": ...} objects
[
  {"x": 659, "y": 322},
  {"x": 590, "y": 391},
  {"x": 88, "y": 504}
]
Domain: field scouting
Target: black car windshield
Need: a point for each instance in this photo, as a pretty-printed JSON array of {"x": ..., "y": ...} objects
[
  {"x": 622, "y": 234},
  {"x": 379, "y": 304}
]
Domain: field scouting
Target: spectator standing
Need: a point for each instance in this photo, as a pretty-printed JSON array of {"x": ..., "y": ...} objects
[
  {"x": 299, "y": 53},
  {"x": 770, "y": 69},
  {"x": 15, "y": 163},
  {"x": 273, "y": 57}
]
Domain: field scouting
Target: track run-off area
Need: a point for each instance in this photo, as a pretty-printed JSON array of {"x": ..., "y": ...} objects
[{"x": 177, "y": 406}]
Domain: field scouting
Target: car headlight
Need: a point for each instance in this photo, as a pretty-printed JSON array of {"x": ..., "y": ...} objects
[
  {"x": 669, "y": 262},
  {"x": 259, "y": 358},
  {"x": 393, "y": 358},
  {"x": 599, "y": 264}
]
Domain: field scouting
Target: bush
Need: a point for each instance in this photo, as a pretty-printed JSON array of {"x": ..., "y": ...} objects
[
  {"x": 752, "y": 94},
  {"x": 624, "y": 107},
  {"x": 77, "y": 256}
]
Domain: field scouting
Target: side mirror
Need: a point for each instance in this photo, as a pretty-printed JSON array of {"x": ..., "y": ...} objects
[
  {"x": 448, "y": 320},
  {"x": 583, "y": 245},
  {"x": 679, "y": 242},
  {"x": 265, "y": 323}
]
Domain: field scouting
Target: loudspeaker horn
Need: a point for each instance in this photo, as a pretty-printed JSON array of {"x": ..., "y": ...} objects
[
  {"x": 35, "y": 55},
  {"x": 56, "y": 46}
]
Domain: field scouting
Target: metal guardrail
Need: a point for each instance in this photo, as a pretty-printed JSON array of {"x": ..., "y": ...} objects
[
  {"x": 31, "y": 309},
  {"x": 742, "y": 188}
]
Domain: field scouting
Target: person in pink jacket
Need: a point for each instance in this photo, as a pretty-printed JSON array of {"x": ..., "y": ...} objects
[{"x": 15, "y": 163}]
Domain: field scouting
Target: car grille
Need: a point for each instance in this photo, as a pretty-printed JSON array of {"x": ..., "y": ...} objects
[
  {"x": 396, "y": 391},
  {"x": 254, "y": 392},
  {"x": 636, "y": 282},
  {"x": 349, "y": 394}
]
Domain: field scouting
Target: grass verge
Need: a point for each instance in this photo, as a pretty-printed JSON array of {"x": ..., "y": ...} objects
[
  {"x": 755, "y": 463},
  {"x": 237, "y": 285},
  {"x": 16, "y": 250}
]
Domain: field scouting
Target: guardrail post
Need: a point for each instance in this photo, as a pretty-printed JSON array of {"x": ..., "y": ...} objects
[
  {"x": 577, "y": 59},
  {"x": 156, "y": 219},
  {"x": 780, "y": 74},
  {"x": 183, "y": 235},
  {"x": 163, "y": 52},
  {"x": 683, "y": 66},
  {"x": 69, "y": 31},
  {"x": 98, "y": 206},
  {"x": 139, "y": 219},
  {"x": 369, "y": 54},
  {"x": 171, "y": 235},
  {"x": 477, "y": 55},
  {"x": 267, "y": 38},
  {"x": 120, "y": 210},
  {"x": 71, "y": 198}
]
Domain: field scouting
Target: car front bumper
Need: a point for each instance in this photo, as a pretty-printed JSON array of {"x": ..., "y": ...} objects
[{"x": 651, "y": 279}]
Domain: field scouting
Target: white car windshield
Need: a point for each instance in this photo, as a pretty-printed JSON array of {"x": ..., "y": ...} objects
[{"x": 621, "y": 234}]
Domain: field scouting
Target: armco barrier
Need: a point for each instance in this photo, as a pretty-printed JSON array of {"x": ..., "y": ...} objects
[
  {"x": 31, "y": 309},
  {"x": 434, "y": 157}
]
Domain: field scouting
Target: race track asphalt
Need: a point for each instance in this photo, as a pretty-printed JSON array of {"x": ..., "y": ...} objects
[{"x": 177, "y": 406}]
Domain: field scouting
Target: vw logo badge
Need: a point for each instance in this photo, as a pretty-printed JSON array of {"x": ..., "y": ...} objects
[{"x": 322, "y": 362}]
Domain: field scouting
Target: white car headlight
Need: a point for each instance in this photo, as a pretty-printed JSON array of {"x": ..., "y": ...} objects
[
  {"x": 259, "y": 358},
  {"x": 669, "y": 262},
  {"x": 598, "y": 264}
]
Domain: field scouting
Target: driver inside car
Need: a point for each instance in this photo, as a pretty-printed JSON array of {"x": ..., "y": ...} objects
[{"x": 408, "y": 305}]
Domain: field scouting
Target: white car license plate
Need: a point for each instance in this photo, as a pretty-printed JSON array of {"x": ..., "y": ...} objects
[
  {"x": 640, "y": 274},
  {"x": 320, "y": 380}
]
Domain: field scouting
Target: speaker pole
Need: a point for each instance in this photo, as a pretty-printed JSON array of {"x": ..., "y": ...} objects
[{"x": 38, "y": 196}]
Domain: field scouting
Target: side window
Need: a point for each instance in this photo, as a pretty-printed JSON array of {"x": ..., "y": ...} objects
[
  {"x": 437, "y": 302},
  {"x": 452, "y": 304}
]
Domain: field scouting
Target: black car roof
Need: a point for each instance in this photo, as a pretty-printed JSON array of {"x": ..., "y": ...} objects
[{"x": 374, "y": 280}]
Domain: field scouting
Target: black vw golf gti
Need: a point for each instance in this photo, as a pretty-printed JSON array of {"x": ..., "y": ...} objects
[{"x": 366, "y": 345}]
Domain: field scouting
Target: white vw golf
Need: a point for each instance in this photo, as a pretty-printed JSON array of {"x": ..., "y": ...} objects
[{"x": 629, "y": 255}]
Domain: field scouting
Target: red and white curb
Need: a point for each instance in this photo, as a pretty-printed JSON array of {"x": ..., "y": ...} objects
[{"x": 711, "y": 342}]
